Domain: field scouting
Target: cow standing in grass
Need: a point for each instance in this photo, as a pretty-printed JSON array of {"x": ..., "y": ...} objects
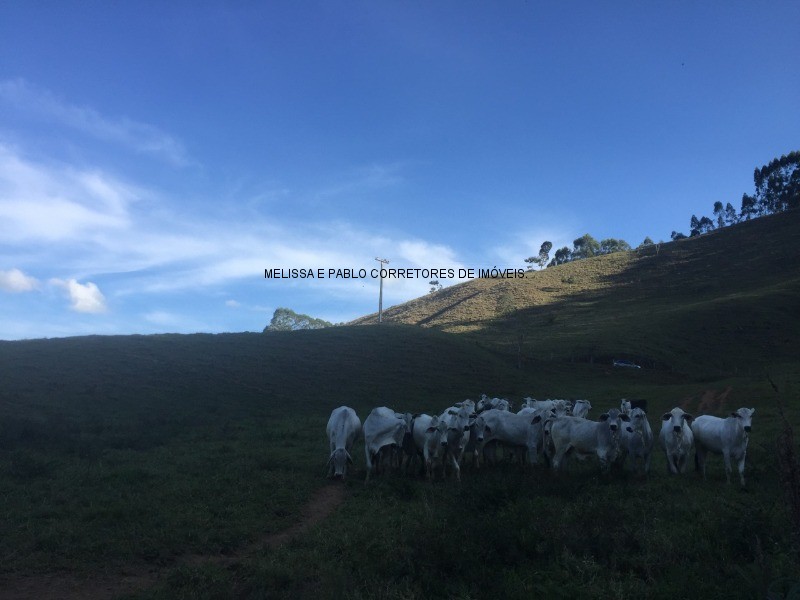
[
  {"x": 457, "y": 434},
  {"x": 384, "y": 430},
  {"x": 585, "y": 438},
  {"x": 427, "y": 433},
  {"x": 728, "y": 437},
  {"x": 638, "y": 443},
  {"x": 676, "y": 439},
  {"x": 343, "y": 429}
]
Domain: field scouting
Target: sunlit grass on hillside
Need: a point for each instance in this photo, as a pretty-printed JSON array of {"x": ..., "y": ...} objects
[{"x": 716, "y": 305}]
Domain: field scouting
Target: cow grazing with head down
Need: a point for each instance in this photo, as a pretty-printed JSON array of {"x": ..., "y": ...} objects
[
  {"x": 585, "y": 438},
  {"x": 676, "y": 439},
  {"x": 728, "y": 437},
  {"x": 384, "y": 430},
  {"x": 343, "y": 429}
]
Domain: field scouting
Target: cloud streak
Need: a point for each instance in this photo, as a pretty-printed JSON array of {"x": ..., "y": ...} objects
[
  {"x": 134, "y": 135},
  {"x": 39, "y": 203}
]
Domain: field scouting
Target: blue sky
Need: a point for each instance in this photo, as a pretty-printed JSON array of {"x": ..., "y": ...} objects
[{"x": 155, "y": 157}]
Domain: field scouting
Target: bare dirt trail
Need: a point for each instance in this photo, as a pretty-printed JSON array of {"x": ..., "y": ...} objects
[{"x": 107, "y": 586}]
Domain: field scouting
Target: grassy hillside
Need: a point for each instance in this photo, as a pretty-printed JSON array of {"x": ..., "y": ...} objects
[
  {"x": 165, "y": 460},
  {"x": 721, "y": 304}
]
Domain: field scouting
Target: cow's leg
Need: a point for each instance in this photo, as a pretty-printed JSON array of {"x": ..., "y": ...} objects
[
  {"x": 700, "y": 459},
  {"x": 558, "y": 457},
  {"x": 456, "y": 467},
  {"x": 726, "y": 456},
  {"x": 741, "y": 469}
]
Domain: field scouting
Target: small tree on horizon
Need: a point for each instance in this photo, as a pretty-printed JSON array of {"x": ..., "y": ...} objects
[
  {"x": 585, "y": 247},
  {"x": 611, "y": 245},
  {"x": 542, "y": 258}
]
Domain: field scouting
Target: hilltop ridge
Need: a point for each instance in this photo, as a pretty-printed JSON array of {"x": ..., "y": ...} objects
[{"x": 724, "y": 301}]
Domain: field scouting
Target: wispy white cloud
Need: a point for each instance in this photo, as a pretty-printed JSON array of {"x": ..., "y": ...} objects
[
  {"x": 139, "y": 137},
  {"x": 369, "y": 178},
  {"x": 15, "y": 280},
  {"x": 84, "y": 297},
  {"x": 44, "y": 203}
]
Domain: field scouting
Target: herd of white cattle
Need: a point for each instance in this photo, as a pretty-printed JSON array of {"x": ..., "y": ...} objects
[{"x": 546, "y": 431}]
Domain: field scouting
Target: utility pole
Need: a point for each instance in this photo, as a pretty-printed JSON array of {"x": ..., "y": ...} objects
[{"x": 383, "y": 261}]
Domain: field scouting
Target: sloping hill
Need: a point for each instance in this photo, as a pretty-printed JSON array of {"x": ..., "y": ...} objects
[{"x": 722, "y": 303}]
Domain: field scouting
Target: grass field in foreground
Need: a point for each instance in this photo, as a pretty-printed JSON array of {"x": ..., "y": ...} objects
[{"x": 131, "y": 452}]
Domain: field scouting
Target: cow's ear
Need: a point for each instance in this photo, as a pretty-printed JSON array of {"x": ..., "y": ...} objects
[
  {"x": 666, "y": 416},
  {"x": 430, "y": 430},
  {"x": 536, "y": 419},
  {"x": 604, "y": 417},
  {"x": 736, "y": 414},
  {"x": 349, "y": 458},
  {"x": 752, "y": 411},
  {"x": 688, "y": 417},
  {"x": 624, "y": 417},
  {"x": 488, "y": 430}
]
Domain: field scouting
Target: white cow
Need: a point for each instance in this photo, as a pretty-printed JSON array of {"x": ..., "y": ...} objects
[
  {"x": 676, "y": 439},
  {"x": 625, "y": 406},
  {"x": 581, "y": 408},
  {"x": 343, "y": 429},
  {"x": 588, "y": 438},
  {"x": 519, "y": 431},
  {"x": 723, "y": 436},
  {"x": 639, "y": 442},
  {"x": 428, "y": 432},
  {"x": 533, "y": 403},
  {"x": 456, "y": 436},
  {"x": 486, "y": 403},
  {"x": 562, "y": 407},
  {"x": 383, "y": 433}
]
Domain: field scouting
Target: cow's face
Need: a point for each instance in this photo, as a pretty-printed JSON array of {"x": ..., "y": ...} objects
[
  {"x": 744, "y": 416},
  {"x": 436, "y": 433},
  {"x": 638, "y": 419},
  {"x": 615, "y": 421},
  {"x": 675, "y": 419},
  {"x": 340, "y": 459}
]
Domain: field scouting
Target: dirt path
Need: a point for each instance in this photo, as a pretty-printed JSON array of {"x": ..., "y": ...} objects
[{"x": 106, "y": 586}]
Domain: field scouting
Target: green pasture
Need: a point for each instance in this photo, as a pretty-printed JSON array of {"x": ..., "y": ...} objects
[{"x": 120, "y": 453}]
